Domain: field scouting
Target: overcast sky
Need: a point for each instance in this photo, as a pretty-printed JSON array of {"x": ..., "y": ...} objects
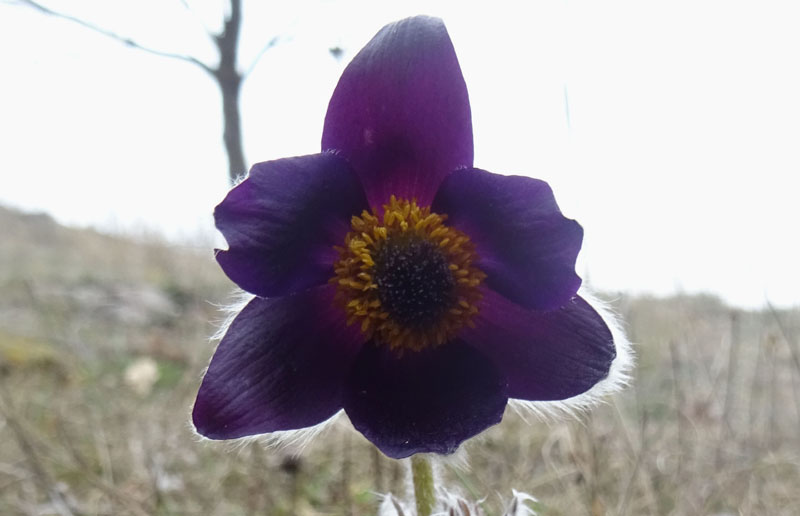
[{"x": 670, "y": 130}]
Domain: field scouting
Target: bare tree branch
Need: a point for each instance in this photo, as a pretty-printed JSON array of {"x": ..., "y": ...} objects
[
  {"x": 274, "y": 41},
  {"x": 226, "y": 73},
  {"x": 199, "y": 20},
  {"x": 230, "y": 83},
  {"x": 126, "y": 41}
]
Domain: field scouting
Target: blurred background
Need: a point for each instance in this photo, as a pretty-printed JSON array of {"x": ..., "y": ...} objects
[{"x": 669, "y": 130}]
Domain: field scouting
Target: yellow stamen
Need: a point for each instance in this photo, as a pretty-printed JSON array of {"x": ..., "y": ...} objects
[{"x": 355, "y": 274}]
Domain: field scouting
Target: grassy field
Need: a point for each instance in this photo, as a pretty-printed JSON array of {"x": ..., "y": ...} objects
[{"x": 103, "y": 340}]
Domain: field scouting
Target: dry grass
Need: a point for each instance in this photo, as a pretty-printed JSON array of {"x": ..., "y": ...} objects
[{"x": 709, "y": 427}]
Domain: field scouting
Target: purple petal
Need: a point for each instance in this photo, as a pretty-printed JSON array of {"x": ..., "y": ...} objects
[
  {"x": 280, "y": 366},
  {"x": 282, "y": 222},
  {"x": 525, "y": 245},
  {"x": 544, "y": 355},
  {"x": 400, "y": 113},
  {"x": 420, "y": 402}
]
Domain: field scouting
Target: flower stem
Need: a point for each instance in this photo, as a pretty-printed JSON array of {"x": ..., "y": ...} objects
[{"x": 422, "y": 475}]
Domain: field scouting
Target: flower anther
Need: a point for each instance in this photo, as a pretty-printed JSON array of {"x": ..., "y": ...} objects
[{"x": 407, "y": 278}]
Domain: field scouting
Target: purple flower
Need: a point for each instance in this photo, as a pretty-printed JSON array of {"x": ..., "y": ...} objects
[{"x": 394, "y": 280}]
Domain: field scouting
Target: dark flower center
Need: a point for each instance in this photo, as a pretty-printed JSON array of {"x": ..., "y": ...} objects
[
  {"x": 414, "y": 282},
  {"x": 406, "y": 277}
]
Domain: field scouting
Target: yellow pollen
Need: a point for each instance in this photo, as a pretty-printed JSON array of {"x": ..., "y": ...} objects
[{"x": 358, "y": 291}]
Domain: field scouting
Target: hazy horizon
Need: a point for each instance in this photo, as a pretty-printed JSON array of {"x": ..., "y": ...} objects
[{"x": 669, "y": 132}]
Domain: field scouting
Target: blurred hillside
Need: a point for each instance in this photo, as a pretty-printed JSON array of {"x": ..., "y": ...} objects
[{"x": 103, "y": 340}]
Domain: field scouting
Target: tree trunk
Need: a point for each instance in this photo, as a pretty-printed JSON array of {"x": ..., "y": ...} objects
[
  {"x": 226, "y": 74},
  {"x": 230, "y": 85},
  {"x": 232, "y": 132}
]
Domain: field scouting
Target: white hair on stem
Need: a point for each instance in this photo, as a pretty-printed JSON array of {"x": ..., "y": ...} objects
[
  {"x": 519, "y": 504},
  {"x": 450, "y": 503},
  {"x": 391, "y": 506}
]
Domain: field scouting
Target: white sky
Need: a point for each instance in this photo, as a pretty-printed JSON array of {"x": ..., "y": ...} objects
[{"x": 680, "y": 157}]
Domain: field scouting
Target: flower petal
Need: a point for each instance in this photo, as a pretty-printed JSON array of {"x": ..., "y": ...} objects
[
  {"x": 525, "y": 245},
  {"x": 280, "y": 366},
  {"x": 426, "y": 401},
  {"x": 550, "y": 355},
  {"x": 282, "y": 222},
  {"x": 400, "y": 113}
]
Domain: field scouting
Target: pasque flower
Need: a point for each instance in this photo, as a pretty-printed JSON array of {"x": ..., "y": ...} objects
[{"x": 392, "y": 279}]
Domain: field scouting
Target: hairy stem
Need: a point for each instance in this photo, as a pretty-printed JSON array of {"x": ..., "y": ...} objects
[{"x": 422, "y": 475}]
